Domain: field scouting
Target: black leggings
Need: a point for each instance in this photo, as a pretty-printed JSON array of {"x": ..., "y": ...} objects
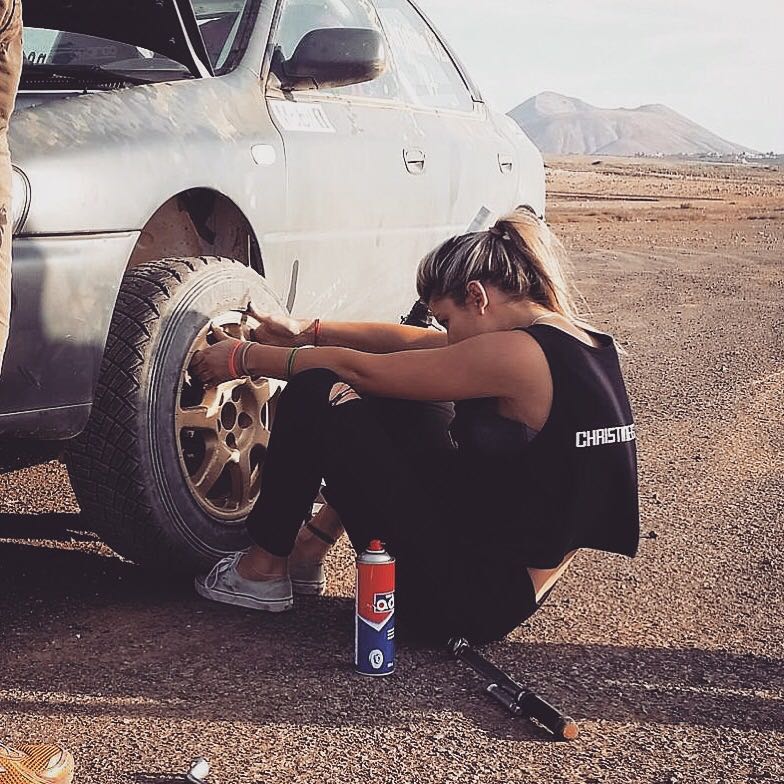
[{"x": 392, "y": 473}]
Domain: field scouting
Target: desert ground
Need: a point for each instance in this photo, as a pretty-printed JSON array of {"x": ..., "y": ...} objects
[{"x": 672, "y": 663}]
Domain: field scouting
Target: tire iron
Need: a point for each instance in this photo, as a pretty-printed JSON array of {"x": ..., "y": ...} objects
[{"x": 518, "y": 700}]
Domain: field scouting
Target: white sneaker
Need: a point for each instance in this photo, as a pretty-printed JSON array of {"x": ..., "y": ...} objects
[
  {"x": 224, "y": 584},
  {"x": 308, "y": 579}
]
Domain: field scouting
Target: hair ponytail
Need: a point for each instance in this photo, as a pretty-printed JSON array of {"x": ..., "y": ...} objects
[{"x": 519, "y": 255}]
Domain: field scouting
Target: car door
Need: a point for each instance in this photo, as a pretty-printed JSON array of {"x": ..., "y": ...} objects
[
  {"x": 346, "y": 228},
  {"x": 473, "y": 161}
]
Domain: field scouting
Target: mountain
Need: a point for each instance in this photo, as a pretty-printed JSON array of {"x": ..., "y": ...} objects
[{"x": 561, "y": 125}]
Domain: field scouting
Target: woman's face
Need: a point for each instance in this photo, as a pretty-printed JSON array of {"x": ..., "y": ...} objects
[{"x": 460, "y": 321}]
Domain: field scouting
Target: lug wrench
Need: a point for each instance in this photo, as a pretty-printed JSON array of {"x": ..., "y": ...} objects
[{"x": 518, "y": 700}]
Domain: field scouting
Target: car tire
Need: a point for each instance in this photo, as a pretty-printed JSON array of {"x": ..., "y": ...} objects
[{"x": 125, "y": 467}]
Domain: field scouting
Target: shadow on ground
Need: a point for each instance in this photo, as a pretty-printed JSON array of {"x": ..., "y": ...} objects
[
  {"x": 53, "y": 527},
  {"x": 23, "y": 453},
  {"x": 90, "y": 635}
]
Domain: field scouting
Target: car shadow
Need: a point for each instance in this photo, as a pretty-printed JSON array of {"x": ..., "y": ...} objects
[
  {"x": 52, "y": 527},
  {"x": 16, "y": 454},
  {"x": 129, "y": 644}
]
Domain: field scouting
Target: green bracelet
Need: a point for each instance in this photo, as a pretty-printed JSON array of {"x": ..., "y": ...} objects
[{"x": 290, "y": 363}]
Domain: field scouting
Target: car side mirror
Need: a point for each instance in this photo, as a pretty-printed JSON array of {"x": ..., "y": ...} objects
[{"x": 334, "y": 57}]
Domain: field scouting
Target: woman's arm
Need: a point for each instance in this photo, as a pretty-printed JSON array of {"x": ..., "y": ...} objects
[
  {"x": 371, "y": 337},
  {"x": 378, "y": 338},
  {"x": 496, "y": 364}
]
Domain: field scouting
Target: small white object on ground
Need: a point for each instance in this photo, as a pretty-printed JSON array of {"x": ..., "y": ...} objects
[{"x": 198, "y": 771}]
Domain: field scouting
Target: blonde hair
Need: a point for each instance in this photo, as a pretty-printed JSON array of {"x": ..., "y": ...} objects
[{"x": 519, "y": 254}]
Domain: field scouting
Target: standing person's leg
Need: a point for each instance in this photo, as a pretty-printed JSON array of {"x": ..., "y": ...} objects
[
  {"x": 25, "y": 762},
  {"x": 10, "y": 70}
]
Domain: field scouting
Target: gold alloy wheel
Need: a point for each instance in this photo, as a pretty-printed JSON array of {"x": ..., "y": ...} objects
[{"x": 222, "y": 432}]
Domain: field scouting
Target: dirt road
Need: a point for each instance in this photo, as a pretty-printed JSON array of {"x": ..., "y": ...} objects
[{"x": 673, "y": 663}]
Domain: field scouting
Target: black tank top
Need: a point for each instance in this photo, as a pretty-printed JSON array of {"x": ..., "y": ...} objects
[{"x": 573, "y": 484}]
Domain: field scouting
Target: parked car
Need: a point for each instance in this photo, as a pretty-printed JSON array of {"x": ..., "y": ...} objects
[{"x": 174, "y": 160}]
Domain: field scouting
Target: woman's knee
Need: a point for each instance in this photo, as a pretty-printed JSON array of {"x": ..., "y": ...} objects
[
  {"x": 316, "y": 381},
  {"x": 312, "y": 384},
  {"x": 306, "y": 395},
  {"x": 341, "y": 393},
  {"x": 318, "y": 390}
]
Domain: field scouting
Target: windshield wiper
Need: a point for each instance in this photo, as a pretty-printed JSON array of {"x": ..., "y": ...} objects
[{"x": 95, "y": 73}]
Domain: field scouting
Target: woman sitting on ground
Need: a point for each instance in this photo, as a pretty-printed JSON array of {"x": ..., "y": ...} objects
[{"x": 544, "y": 461}]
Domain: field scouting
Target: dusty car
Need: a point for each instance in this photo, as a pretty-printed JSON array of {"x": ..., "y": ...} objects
[{"x": 174, "y": 160}]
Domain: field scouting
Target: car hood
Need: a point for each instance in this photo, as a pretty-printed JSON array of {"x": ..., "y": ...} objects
[{"x": 167, "y": 27}]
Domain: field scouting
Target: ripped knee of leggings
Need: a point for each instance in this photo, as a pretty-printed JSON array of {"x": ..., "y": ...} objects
[{"x": 342, "y": 393}]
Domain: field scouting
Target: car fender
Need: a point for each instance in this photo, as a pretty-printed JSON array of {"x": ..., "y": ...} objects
[{"x": 105, "y": 162}]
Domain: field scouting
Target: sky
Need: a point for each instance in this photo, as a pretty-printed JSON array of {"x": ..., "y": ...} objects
[{"x": 720, "y": 63}]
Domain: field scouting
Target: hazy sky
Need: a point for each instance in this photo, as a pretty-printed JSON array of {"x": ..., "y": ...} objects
[{"x": 720, "y": 63}]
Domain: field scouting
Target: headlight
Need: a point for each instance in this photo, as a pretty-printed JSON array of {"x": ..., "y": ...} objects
[{"x": 20, "y": 199}]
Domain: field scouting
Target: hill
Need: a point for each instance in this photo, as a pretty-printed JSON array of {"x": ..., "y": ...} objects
[{"x": 561, "y": 125}]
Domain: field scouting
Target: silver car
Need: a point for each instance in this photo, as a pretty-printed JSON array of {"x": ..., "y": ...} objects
[{"x": 174, "y": 160}]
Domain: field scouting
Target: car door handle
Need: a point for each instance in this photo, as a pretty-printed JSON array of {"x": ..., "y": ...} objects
[
  {"x": 415, "y": 160},
  {"x": 505, "y": 163}
]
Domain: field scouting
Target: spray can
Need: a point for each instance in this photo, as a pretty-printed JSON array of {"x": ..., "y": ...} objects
[{"x": 374, "y": 641}]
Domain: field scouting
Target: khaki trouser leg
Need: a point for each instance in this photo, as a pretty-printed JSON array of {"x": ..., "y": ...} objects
[{"x": 10, "y": 69}]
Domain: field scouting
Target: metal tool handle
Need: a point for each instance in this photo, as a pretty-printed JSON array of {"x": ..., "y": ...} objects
[
  {"x": 462, "y": 650},
  {"x": 509, "y": 692},
  {"x": 533, "y": 706},
  {"x": 507, "y": 700}
]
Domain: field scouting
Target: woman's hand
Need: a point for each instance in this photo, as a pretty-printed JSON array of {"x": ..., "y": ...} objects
[
  {"x": 213, "y": 365},
  {"x": 280, "y": 330}
]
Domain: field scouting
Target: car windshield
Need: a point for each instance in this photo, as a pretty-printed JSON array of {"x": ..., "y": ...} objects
[{"x": 223, "y": 25}]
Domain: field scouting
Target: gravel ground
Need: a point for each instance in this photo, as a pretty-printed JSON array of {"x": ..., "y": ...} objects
[{"x": 671, "y": 662}]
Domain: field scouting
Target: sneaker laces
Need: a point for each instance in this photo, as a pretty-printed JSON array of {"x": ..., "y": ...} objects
[
  {"x": 10, "y": 752},
  {"x": 224, "y": 565}
]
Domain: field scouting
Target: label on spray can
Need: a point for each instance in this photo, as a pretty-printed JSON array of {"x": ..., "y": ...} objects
[{"x": 374, "y": 641}]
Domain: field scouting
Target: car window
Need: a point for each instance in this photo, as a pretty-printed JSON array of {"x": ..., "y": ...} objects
[
  {"x": 427, "y": 75},
  {"x": 220, "y": 24},
  {"x": 300, "y": 17}
]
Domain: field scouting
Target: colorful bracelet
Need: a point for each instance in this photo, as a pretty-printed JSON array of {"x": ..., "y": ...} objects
[
  {"x": 233, "y": 372},
  {"x": 290, "y": 362},
  {"x": 316, "y": 330}
]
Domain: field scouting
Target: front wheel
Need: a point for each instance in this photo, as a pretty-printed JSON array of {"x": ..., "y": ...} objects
[{"x": 166, "y": 470}]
